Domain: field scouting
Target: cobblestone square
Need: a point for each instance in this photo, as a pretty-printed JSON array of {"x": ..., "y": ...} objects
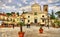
[{"x": 33, "y": 31}]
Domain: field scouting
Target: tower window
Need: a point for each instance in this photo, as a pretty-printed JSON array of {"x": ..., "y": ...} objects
[
  {"x": 35, "y": 13},
  {"x": 46, "y": 9}
]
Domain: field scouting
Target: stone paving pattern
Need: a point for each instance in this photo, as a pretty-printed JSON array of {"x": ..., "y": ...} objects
[{"x": 30, "y": 32}]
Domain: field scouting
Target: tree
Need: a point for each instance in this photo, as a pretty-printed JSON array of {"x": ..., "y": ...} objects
[
  {"x": 18, "y": 13},
  {"x": 58, "y": 13},
  {"x": 8, "y": 14},
  {"x": 52, "y": 16},
  {"x": 57, "y": 22},
  {"x": 21, "y": 24}
]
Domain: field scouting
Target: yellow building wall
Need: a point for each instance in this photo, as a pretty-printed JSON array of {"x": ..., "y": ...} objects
[{"x": 32, "y": 17}]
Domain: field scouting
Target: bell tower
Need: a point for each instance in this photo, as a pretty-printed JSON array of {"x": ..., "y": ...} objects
[{"x": 45, "y": 8}]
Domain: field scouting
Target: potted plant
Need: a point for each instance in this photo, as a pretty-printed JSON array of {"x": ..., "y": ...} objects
[
  {"x": 41, "y": 30},
  {"x": 21, "y": 33}
]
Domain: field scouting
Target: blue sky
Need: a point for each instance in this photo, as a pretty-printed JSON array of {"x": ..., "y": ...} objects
[{"x": 19, "y": 5}]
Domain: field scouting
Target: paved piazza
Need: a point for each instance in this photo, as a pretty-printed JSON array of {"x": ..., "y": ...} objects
[{"x": 30, "y": 32}]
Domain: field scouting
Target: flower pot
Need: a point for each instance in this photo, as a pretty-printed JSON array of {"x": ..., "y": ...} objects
[
  {"x": 40, "y": 30},
  {"x": 21, "y": 34}
]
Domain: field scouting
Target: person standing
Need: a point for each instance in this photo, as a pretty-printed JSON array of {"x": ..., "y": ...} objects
[
  {"x": 13, "y": 26},
  {"x": 29, "y": 25}
]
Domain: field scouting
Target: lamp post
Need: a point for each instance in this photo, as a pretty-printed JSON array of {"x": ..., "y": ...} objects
[{"x": 48, "y": 22}]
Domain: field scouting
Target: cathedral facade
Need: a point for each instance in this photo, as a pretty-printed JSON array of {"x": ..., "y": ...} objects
[{"x": 36, "y": 15}]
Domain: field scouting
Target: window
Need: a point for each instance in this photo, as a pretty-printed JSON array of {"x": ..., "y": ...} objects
[
  {"x": 35, "y": 13},
  {"x": 42, "y": 20},
  {"x": 17, "y": 19},
  {"x": 28, "y": 16},
  {"x": 42, "y": 15},
  {"x": 13, "y": 20},
  {"x": 46, "y": 9},
  {"x": 22, "y": 20},
  {"x": 28, "y": 20},
  {"x": 7, "y": 19}
]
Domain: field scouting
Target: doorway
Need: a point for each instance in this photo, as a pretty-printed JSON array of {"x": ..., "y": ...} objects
[{"x": 35, "y": 20}]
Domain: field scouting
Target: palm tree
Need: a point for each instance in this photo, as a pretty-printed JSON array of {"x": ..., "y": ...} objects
[
  {"x": 58, "y": 13},
  {"x": 21, "y": 24},
  {"x": 57, "y": 22},
  {"x": 52, "y": 16}
]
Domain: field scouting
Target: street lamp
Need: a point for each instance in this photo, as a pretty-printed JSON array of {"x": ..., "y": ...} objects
[{"x": 48, "y": 22}]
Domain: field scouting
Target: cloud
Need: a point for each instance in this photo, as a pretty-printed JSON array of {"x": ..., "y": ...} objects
[
  {"x": 0, "y": 1},
  {"x": 19, "y": 4},
  {"x": 9, "y": 1},
  {"x": 4, "y": 4},
  {"x": 32, "y": 2},
  {"x": 26, "y": 8},
  {"x": 50, "y": 1},
  {"x": 53, "y": 1},
  {"x": 25, "y": 1},
  {"x": 55, "y": 8},
  {"x": 42, "y": 3},
  {"x": 5, "y": 7},
  {"x": 11, "y": 8},
  {"x": 25, "y": 4}
]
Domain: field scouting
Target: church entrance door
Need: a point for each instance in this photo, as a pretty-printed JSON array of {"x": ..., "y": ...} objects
[{"x": 35, "y": 20}]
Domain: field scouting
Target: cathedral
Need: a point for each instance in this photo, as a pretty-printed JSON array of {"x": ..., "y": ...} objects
[{"x": 36, "y": 15}]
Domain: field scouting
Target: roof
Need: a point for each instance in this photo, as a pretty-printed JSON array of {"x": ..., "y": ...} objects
[
  {"x": 2, "y": 14},
  {"x": 28, "y": 12},
  {"x": 36, "y": 4}
]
